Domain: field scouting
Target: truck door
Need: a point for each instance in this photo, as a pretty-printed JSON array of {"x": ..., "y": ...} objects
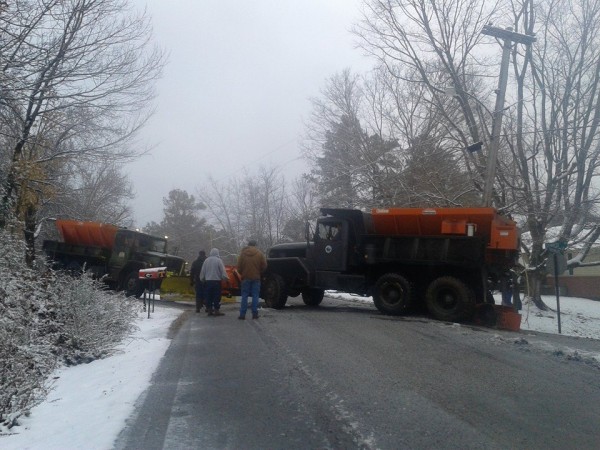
[
  {"x": 330, "y": 245},
  {"x": 121, "y": 250}
]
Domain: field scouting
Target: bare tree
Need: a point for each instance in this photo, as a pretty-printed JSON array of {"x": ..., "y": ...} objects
[
  {"x": 77, "y": 77},
  {"x": 549, "y": 146},
  {"x": 556, "y": 143},
  {"x": 224, "y": 206},
  {"x": 253, "y": 206},
  {"x": 427, "y": 47},
  {"x": 269, "y": 190},
  {"x": 430, "y": 167},
  {"x": 303, "y": 207},
  {"x": 91, "y": 190}
]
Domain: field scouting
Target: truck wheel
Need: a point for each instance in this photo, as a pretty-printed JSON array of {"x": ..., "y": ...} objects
[
  {"x": 449, "y": 299},
  {"x": 132, "y": 285},
  {"x": 73, "y": 268},
  {"x": 312, "y": 296},
  {"x": 274, "y": 292},
  {"x": 393, "y": 294}
]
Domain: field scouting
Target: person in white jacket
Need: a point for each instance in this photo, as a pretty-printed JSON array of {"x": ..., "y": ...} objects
[{"x": 212, "y": 272}]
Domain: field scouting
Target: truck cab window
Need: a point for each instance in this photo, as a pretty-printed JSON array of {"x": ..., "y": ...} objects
[
  {"x": 322, "y": 231},
  {"x": 329, "y": 231},
  {"x": 119, "y": 241},
  {"x": 143, "y": 244}
]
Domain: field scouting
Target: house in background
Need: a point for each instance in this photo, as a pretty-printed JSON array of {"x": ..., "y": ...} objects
[{"x": 581, "y": 282}]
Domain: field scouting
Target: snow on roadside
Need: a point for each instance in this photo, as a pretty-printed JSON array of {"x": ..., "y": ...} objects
[
  {"x": 89, "y": 403},
  {"x": 578, "y": 317}
]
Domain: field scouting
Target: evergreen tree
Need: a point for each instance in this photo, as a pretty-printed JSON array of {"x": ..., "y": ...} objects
[
  {"x": 432, "y": 176},
  {"x": 187, "y": 232},
  {"x": 354, "y": 169}
]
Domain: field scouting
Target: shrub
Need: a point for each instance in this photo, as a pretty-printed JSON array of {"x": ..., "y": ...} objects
[{"x": 49, "y": 318}]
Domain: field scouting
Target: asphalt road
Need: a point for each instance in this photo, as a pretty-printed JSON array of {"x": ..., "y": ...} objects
[{"x": 342, "y": 376}]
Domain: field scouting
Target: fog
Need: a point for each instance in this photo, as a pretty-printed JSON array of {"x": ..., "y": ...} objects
[{"x": 236, "y": 89}]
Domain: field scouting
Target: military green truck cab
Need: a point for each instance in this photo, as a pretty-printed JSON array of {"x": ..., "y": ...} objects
[
  {"x": 112, "y": 254},
  {"x": 330, "y": 259},
  {"x": 133, "y": 251}
]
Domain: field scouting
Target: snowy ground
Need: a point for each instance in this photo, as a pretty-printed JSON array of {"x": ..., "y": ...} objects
[
  {"x": 579, "y": 316},
  {"x": 89, "y": 404}
]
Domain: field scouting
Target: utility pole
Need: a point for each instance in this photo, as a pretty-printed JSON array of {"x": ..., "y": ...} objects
[{"x": 508, "y": 36}]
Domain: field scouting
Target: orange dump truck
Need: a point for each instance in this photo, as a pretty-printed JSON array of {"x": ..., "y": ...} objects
[
  {"x": 110, "y": 253},
  {"x": 448, "y": 259}
]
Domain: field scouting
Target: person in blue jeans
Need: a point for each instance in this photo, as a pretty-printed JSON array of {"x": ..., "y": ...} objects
[
  {"x": 212, "y": 272},
  {"x": 251, "y": 264}
]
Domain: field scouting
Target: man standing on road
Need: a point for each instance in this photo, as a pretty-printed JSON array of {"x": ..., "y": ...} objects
[
  {"x": 196, "y": 281},
  {"x": 251, "y": 264},
  {"x": 212, "y": 272}
]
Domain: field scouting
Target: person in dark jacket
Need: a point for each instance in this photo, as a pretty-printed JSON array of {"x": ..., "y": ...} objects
[
  {"x": 251, "y": 264},
  {"x": 196, "y": 281},
  {"x": 211, "y": 274}
]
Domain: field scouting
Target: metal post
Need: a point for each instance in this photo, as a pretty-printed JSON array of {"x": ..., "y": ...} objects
[
  {"x": 497, "y": 125},
  {"x": 508, "y": 36},
  {"x": 557, "y": 288}
]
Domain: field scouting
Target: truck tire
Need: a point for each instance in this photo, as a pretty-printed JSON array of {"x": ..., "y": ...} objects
[
  {"x": 274, "y": 291},
  {"x": 73, "y": 268},
  {"x": 132, "y": 285},
  {"x": 449, "y": 299},
  {"x": 393, "y": 294},
  {"x": 312, "y": 296}
]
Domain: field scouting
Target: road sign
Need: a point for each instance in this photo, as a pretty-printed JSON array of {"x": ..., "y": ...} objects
[
  {"x": 556, "y": 247},
  {"x": 557, "y": 263}
]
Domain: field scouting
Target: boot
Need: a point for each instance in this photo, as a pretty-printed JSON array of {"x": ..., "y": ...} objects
[
  {"x": 255, "y": 316},
  {"x": 209, "y": 312},
  {"x": 216, "y": 312}
]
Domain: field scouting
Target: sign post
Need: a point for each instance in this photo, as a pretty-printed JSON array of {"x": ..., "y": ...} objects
[{"x": 150, "y": 278}]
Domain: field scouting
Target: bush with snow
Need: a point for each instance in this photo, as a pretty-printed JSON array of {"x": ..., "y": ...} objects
[{"x": 49, "y": 318}]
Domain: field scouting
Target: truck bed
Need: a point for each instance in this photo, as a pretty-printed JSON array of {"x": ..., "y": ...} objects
[
  {"x": 496, "y": 231},
  {"x": 55, "y": 249},
  {"x": 431, "y": 250},
  {"x": 87, "y": 233}
]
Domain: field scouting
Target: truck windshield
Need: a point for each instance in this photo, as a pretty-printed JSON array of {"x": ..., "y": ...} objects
[
  {"x": 159, "y": 245},
  {"x": 151, "y": 244},
  {"x": 140, "y": 242}
]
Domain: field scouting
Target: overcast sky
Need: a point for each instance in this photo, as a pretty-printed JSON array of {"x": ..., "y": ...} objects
[{"x": 237, "y": 87}]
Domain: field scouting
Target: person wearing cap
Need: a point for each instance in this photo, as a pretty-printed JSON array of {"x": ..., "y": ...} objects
[
  {"x": 251, "y": 264},
  {"x": 212, "y": 272}
]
